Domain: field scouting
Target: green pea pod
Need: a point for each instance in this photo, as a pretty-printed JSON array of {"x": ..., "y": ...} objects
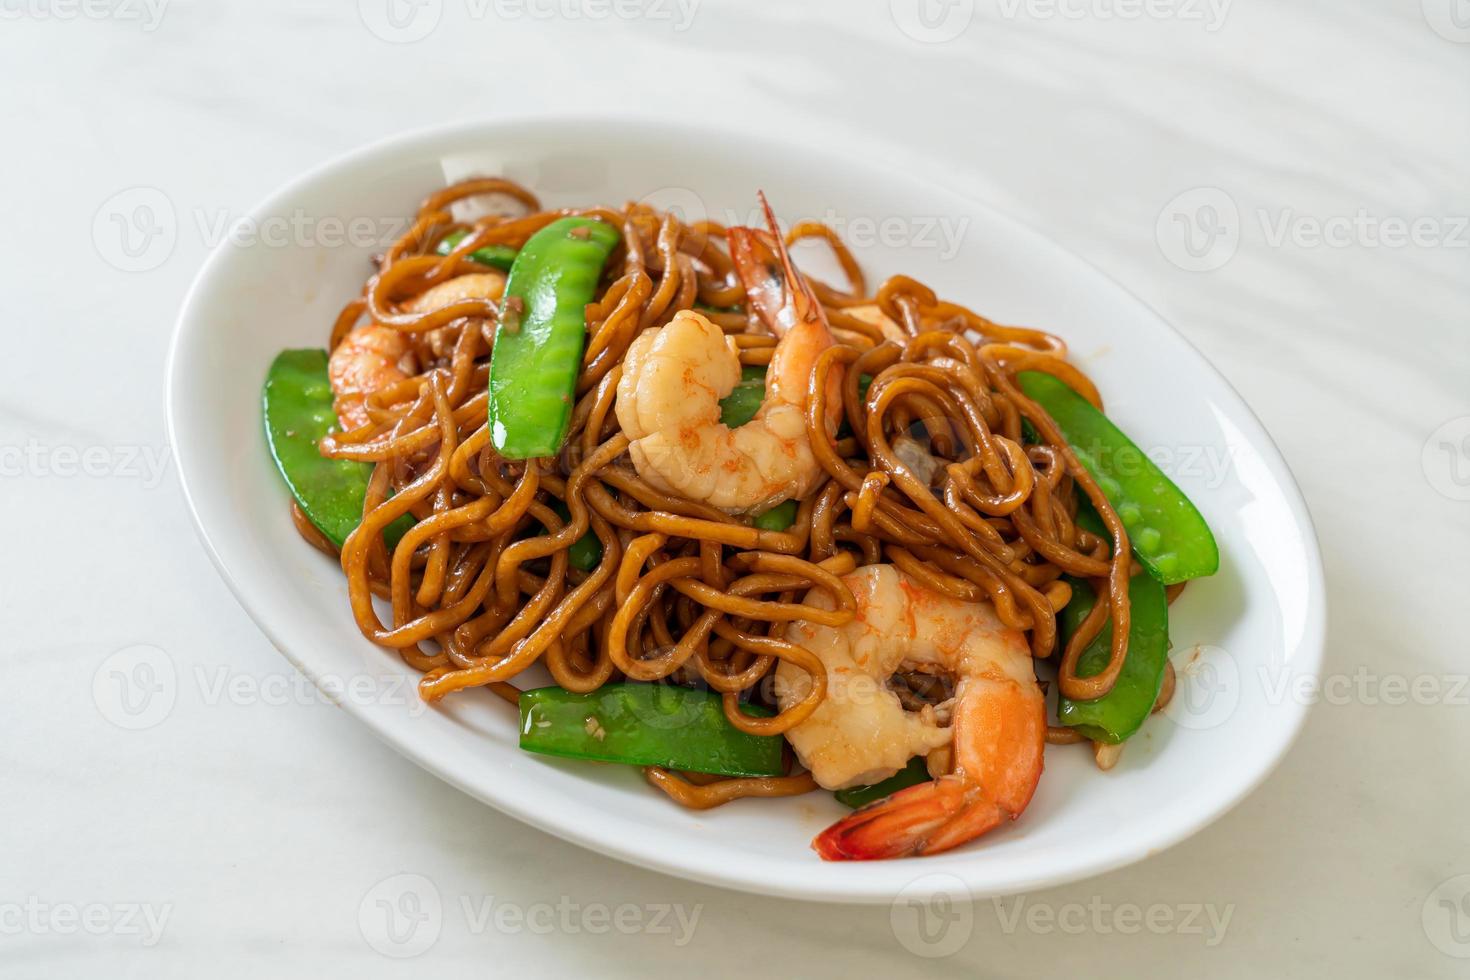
[
  {"x": 538, "y": 350},
  {"x": 297, "y": 403},
  {"x": 1118, "y": 714},
  {"x": 497, "y": 256},
  {"x": 740, "y": 405},
  {"x": 1169, "y": 536},
  {"x": 778, "y": 518},
  {"x": 586, "y": 551},
  {"x": 738, "y": 408},
  {"x": 913, "y": 774},
  {"x": 646, "y": 725}
]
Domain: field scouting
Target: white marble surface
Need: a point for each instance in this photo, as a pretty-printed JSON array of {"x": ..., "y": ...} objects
[{"x": 254, "y": 826}]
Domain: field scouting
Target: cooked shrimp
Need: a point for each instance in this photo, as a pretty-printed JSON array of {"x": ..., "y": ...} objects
[
  {"x": 861, "y": 733},
  {"x": 368, "y": 358},
  {"x": 674, "y": 377},
  {"x": 374, "y": 356}
]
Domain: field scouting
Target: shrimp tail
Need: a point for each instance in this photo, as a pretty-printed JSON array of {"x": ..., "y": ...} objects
[
  {"x": 1000, "y": 737},
  {"x": 781, "y": 300},
  {"x": 909, "y": 822},
  {"x": 803, "y": 300},
  {"x": 785, "y": 302}
]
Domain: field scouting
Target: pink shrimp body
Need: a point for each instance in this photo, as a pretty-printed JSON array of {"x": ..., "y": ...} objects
[
  {"x": 674, "y": 377},
  {"x": 861, "y": 733},
  {"x": 373, "y": 356}
]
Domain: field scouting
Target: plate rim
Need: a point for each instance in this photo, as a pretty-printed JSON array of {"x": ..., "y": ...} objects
[{"x": 1306, "y": 659}]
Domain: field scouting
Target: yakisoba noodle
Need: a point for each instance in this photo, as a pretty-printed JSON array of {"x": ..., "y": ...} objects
[{"x": 685, "y": 592}]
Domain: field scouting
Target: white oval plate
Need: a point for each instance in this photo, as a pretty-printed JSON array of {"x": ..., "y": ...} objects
[{"x": 1242, "y": 639}]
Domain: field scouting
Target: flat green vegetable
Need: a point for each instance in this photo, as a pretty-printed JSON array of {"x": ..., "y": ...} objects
[
  {"x": 1115, "y": 716},
  {"x": 778, "y": 518},
  {"x": 913, "y": 774},
  {"x": 1168, "y": 534},
  {"x": 646, "y": 725},
  {"x": 497, "y": 256},
  {"x": 538, "y": 350},
  {"x": 586, "y": 551},
  {"x": 297, "y": 408},
  {"x": 740, "y": 405}
]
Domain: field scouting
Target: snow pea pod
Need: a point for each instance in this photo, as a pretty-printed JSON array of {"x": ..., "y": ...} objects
[
  {"x": 297, "y": 405},
  {"x": 740, "y": 405},
  {"x": 586, "y": 551},
  {"x": 497, "y": 256},
  {"x": 778, "y": 518},
  {"x": 1168, "y": 534},
  {"x": 646, "y": 725},
  {"x": 913, "y": 774},
  {"x": 1118, "y": 714},
  {"x": 541, "y": 334}
]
